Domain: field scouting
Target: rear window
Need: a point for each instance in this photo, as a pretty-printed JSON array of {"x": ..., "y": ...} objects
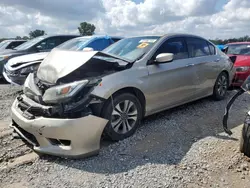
[{"x": 239, "y": 49}]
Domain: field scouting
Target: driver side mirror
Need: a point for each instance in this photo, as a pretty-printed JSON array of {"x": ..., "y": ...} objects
[{"x": 164, "y": 58}]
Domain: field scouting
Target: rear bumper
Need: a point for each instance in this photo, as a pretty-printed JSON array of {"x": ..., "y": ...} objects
[
  {"x": 239, "y": 78},
  {"x": 61, "y": 137}
]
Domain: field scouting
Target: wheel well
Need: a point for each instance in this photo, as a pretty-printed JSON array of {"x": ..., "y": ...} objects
[
  {"x": 226, "y": 74},
  {"x": 138, "y": 93}
]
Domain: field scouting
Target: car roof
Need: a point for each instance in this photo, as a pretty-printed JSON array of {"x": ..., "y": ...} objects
[
  {"x": 238, "y": 43},
  {"x": 100, "y": 37},
  {"x": 171, "y": 35},
  {"x": 63, "y": 35},
  {"x": 11, "y": 40}
]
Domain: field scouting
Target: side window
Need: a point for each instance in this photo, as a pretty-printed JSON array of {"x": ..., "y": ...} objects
[
  {"x": 176, "y": 46},
  {"x": 99, "y": 44},
  {"x": 65, "y": 38},
  {"x": 14, "y": 44},
  {"x": 197, "y": 47},
  {"x": 49, "y": 43},
  {"x": 212, "y": 49}
]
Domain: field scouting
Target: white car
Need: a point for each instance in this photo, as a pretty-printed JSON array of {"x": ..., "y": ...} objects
[{"x": 17, "y": 69}]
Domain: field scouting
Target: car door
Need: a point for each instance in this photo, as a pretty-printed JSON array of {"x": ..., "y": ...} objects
[
  {"x": 171, "y": 83},
  {"x": 203, "y": 53}
]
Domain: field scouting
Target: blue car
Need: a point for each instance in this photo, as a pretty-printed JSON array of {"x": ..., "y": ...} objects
[
  {"x": 221, "y": 47},
  {"x": 18, "y": 68}
]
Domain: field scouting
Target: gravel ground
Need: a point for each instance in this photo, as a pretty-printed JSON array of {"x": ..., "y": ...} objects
[{"x": 181, "y": 147}]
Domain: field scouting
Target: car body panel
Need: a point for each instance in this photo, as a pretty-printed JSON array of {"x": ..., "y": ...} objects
[
  {"x": 163, "y": 85},
  {"x": 84, "y": 133}
]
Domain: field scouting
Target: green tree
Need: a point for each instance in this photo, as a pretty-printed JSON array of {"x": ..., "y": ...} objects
[
  {"x": 25, "y": 38},
  {"x": 18, "y": 37},
  {"x": 86, "y": 29},
  {"x": 36, "y": 33}
]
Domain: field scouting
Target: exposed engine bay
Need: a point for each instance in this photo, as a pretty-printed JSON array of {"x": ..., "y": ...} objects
[{"x": 65, "y": 91}]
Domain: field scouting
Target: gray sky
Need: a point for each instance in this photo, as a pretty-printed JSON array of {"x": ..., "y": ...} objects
[{"x": 208, "y": 18}]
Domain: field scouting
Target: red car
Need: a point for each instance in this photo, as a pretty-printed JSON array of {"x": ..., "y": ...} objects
[{"x": 242, "y": 64}]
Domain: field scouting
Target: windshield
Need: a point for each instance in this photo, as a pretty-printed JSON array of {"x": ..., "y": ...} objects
[
  {"x": 74, "y": 44},
  {"x": 239, "y": 49},
  {"x": 132, "y": 49},
  {"x": 4, "y": 44},
  {"x": 30, "y": 43}
]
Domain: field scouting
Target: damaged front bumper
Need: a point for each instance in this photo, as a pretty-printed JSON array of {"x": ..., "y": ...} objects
[{"x": 79, "y": 137}]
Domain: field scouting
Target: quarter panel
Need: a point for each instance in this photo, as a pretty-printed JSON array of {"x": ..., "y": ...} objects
[{"x": 133, "y": 77}]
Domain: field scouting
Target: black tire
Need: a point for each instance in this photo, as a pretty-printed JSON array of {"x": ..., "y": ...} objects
[
  {"x": 109, "y": 131},
  {"x": 221, "y": 87},
  {"x": 245, "y": 138}
]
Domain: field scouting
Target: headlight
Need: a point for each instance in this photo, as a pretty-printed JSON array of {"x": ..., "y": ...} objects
[
  {"x": 4, "y": 57},
  {"x": 29, "y": 69},
  {"x": 242, "y": 69},
  {"x": 57, "y": 93}
]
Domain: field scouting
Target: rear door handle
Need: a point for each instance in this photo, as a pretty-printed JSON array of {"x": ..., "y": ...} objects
[
  {"x": 217, "y": 60},
  {"x": 189, "y": 65}
]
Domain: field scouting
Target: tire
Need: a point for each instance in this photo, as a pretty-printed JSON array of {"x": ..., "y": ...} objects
[
  {"x": 220, "y": 87},
  {"x": 122, "y": 123},
  {"x": 245, "y": 138}
]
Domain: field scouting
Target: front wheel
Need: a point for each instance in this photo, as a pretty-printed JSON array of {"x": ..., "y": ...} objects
[
  {"x": 245, "y": 137},
  {"x": 124, "y": 113},
  {"x": 221, "y": 86}
]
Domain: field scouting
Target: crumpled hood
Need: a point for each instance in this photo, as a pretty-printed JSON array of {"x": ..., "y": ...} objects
[
  {"x": 27, "y": 58},
  {"x": 60, "y": 63},
  {"x": 68, "y": 66}
]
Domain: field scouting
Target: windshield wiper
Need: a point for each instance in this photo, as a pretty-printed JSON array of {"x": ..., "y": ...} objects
[{"x": 140, "y": 56}]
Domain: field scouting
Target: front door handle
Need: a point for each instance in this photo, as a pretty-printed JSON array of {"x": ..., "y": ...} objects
[
  {"x": 189, "y": 65},
  {"x": 217, "y": 60}
]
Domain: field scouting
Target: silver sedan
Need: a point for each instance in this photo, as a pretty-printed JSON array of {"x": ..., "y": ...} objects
[{"x": 76, "y": 97}]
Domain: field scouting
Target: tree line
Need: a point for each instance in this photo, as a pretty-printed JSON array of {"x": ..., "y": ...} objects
[
  {"x": 85, "y": 29},
  {"x": 225, "y": 41}
]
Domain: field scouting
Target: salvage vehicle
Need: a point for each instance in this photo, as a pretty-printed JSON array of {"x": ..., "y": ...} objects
[
  {"x": 76, "y": 97},
  {"x": 10, "y": 44},
  {"x": 245, "y": 136},
  {"x": 40, "y": 44},
  {"x": 242, "y": 65},
  {"x": 18, "y": 68}
]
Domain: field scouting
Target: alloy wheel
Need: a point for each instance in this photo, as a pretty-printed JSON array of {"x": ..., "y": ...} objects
[
  {"x": 222, "y": 85},
  {"x": 124, "y": 116}
]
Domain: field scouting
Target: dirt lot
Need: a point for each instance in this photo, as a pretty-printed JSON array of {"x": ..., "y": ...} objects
[{"x": 182, "y": 147}]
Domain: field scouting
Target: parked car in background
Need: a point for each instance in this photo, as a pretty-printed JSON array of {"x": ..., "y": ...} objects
[
  {"x": 18, "y": 68},
  {"x": 242, "y": 63},
  {"x": 10, "y": 44},
  {"x": 75, "y": 95},
  {"x": 40, "y": 44},
  {"x": 220, "y": 46}
]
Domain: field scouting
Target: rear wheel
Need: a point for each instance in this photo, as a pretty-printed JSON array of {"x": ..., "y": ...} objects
[
  {"x": 221, "y": 86},
  {"x": 124, "y": 113},
  {"x": 245, "y": 137}
]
